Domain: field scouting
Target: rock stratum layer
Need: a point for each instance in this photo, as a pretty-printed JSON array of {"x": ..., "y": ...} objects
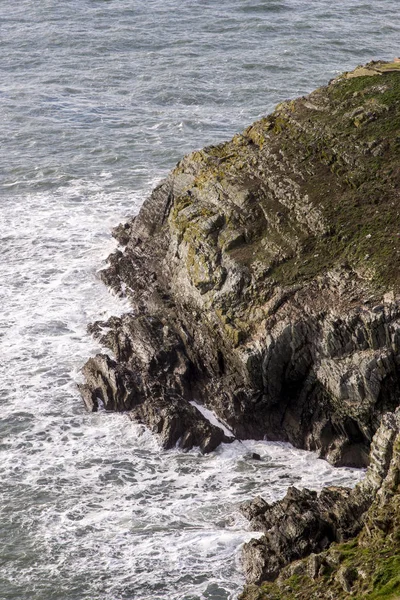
[{"x": 264, "y": 279}]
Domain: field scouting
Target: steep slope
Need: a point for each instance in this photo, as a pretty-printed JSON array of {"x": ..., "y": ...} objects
[{"x": 264, "y": 276}]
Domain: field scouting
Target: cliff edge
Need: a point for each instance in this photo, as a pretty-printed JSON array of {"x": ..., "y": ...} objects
[{"x": 264, "y": 275}]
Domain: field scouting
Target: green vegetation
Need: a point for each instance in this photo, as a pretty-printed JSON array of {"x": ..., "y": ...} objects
[
  {"x": 353, "y": 161},
  {"x": 316, "y": 183},
  {"x": 362, "y": 573}
]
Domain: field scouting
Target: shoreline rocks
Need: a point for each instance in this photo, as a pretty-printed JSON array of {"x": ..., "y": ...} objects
[
  {"x": 333, "y": 544},
  {"x": 305, "y": 523}
]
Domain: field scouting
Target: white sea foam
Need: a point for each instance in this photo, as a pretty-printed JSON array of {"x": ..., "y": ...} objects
[{"x": 212, "y": 418}]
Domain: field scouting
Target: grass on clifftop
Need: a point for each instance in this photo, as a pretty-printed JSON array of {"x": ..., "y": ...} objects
[
  {"x": 351, "y": 150},
  {"x": 340, "y": 147},
  {"x": 363, "y": 573}
]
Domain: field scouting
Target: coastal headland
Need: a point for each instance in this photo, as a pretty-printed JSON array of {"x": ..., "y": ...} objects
[{"x": 264, "y": 279}]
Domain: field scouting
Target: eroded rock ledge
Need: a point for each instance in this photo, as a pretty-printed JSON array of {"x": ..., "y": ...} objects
[{"x": 263, "y": 275}]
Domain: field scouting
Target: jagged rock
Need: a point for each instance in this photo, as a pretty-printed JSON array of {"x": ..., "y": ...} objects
[
  {"x": 122, "y": 233},
  {"x": 300, "y": 524},
  {"x": 247, "y": 276},
  {"x": 110, "y": 384},
  {"x": 177, "y": 422},
  {"x": 346, "y": 577},
  {"x": 149, "y": 383},
  {"x": 305, "y": 523}
]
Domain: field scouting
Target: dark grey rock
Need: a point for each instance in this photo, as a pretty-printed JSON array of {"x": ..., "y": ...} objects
[{"x": 305, "y": 523}]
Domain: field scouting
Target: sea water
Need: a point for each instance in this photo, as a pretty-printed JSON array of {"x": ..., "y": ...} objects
[{"x": 98, "y": 100}]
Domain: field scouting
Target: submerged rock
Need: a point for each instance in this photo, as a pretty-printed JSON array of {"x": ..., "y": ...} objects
[{"x": 250, "y": 288}]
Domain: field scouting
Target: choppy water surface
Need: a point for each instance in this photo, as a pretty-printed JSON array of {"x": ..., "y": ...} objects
[{"x": 98, "y": 100}]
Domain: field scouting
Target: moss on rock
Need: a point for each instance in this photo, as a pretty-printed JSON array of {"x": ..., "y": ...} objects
[{"x": 303, "y": 191}]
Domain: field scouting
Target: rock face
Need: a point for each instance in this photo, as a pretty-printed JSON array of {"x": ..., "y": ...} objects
[
  {"x": 263, "y": 275},
  {"x": 305, "y": 525}
]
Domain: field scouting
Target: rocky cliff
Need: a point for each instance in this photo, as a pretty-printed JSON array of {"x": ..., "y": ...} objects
[
  {"x": 263, "y": 275},
  {"x": 264, "y": 280}
]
